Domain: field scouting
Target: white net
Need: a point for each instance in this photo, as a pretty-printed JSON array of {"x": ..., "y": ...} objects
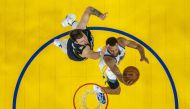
[{"x": 85, "y": 98}]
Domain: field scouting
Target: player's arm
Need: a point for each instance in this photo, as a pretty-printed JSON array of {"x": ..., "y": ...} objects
[
  {"x": 124, "y": 42},
  {"x": 111, "y": 63},
  {"x": 86, "y": 16},
  {"x": 87, "y": 52}
]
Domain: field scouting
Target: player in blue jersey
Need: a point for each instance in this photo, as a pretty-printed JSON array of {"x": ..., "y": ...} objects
[{"x": 80, "y": 45}]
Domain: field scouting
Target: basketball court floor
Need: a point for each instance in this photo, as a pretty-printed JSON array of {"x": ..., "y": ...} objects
[{"x": 51, "y": 79}]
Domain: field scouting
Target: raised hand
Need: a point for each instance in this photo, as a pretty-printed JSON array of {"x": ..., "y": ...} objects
[
  {"x": 103, "y": 16},
  {"x": 144, "y": 58}
]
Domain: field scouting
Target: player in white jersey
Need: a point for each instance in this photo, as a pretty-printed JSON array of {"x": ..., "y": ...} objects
[{"x": 109, "y": 65}]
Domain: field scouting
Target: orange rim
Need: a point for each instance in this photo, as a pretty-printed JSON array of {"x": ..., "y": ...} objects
[{"x": 89, "y": 84}]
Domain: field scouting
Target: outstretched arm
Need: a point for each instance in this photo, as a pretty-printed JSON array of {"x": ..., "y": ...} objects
[
  {"x": 111, "y": 63},
  {"x": 124, "y": 42},
  {"x": 86, "y": 15},
  {"x": 87, "y": 52}
]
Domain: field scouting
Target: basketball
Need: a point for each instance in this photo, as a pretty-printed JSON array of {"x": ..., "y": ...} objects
[{"x": 130, "y": 75}]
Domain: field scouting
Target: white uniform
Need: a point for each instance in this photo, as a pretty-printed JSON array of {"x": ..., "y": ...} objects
[{"x": 105, "y": 69}]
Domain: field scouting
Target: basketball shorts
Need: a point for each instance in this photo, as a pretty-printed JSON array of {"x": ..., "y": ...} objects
[{"x": 109, "y": 75}]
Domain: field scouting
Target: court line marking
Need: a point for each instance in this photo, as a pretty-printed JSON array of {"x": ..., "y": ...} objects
[{"x": 96, "y": 28}]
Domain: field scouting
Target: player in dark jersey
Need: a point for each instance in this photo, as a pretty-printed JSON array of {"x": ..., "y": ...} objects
[{"x": 80, "y": 44}]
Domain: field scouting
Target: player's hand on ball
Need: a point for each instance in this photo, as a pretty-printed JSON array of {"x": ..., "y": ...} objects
[
  {"x": 130, "y": 75},
  {"x": 103, "y": 16},
  {"x": 144, "y": 59},
  {"x": 128, "y": 82}
]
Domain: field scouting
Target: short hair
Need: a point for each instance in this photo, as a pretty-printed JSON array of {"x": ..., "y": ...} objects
[
  {"x": 76, "y": 34},
  {"x": 112, "y": 41}
]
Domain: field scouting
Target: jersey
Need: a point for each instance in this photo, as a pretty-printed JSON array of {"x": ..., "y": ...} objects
[
  {"x": 105, "y": 69},
  {"x": 74, "y": 51}
]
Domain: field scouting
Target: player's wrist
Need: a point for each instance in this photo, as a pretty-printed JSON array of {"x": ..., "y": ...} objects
[{"x": 100, "y": 53}]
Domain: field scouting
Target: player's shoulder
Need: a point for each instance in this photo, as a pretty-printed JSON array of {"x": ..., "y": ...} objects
[
  {"x": 86, "y": 50},
  {"x": 123, "y": 42}
]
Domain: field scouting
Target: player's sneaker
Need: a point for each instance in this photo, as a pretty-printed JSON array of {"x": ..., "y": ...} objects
[
  {"x": 57, "y": 43},
  {"x": 69, "y": 20},
  {"x": 99, "y": 94}
]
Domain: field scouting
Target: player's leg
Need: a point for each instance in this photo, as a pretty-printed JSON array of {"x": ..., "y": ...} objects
[
  {"x": 99, "y": 94},
  {"x": 61, "y": 44},
  {"x": 112, "y": 81},
  {"x": 113, "y": 88},
  {"x": 70, "y": 20},
  {"x": 112, "y": 91}
]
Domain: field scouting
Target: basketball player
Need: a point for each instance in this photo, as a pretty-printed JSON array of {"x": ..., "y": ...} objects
[
  {"x": 80, "y": 44},
  {"x": 109, "y": 65}
]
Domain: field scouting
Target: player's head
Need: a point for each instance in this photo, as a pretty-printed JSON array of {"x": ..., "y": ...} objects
[
  {"x": 78, "y": 37},
  {"x": 112, "y": 46}
]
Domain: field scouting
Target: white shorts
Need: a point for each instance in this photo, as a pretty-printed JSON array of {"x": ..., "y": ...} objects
[{"x": 106, "y": 70}]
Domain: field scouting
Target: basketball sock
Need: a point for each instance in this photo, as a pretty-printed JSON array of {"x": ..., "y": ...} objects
[
  {"x": 97, "y": 89},
  {"x": 74, "y": 24},
  {"x": 69, "y": 21},
  {"x": 57, "y": 43}
]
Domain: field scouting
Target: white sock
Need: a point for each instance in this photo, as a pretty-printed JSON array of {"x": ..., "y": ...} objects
[
  {"x": 74, "y": 25},
  {"x": 97, "y": 89}
]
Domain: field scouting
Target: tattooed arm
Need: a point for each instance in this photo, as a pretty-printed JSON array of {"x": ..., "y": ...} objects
[{"x": 86, "y": 15}]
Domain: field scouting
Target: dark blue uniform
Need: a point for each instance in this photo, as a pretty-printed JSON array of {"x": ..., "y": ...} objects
[{"x": 75, "y": 50}]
